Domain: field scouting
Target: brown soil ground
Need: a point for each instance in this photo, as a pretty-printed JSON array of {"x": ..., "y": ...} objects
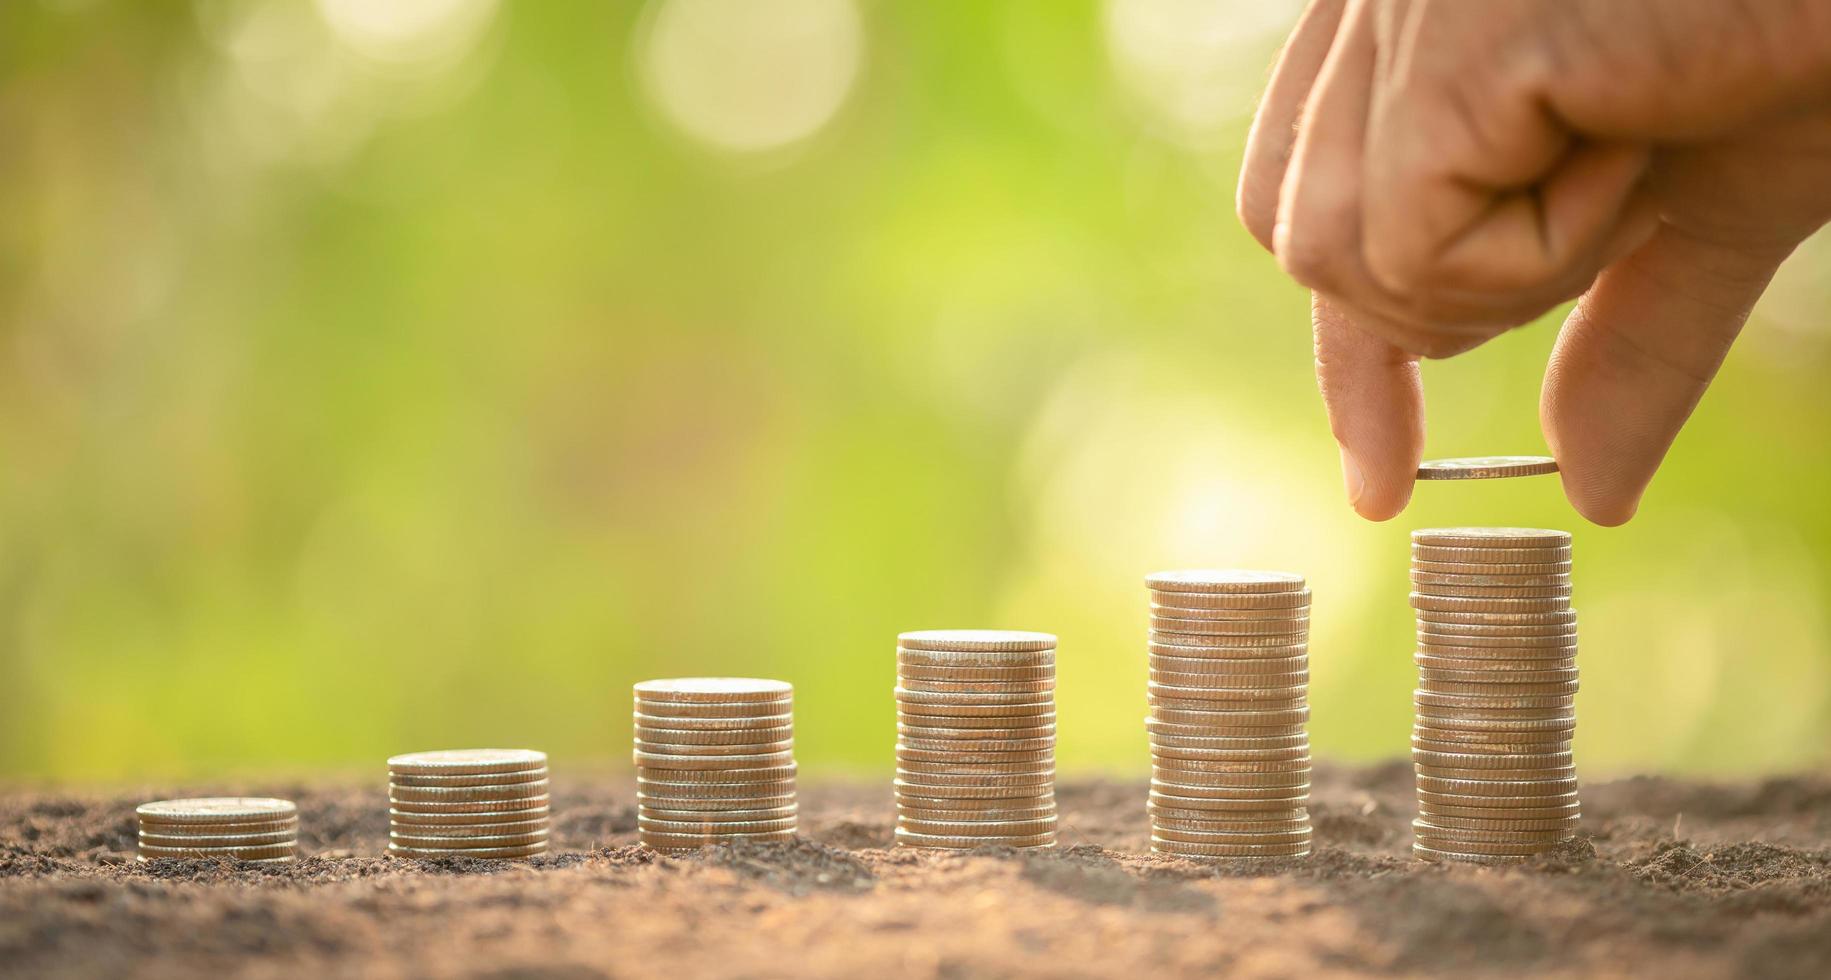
[{"x": 1675, "y": 879}]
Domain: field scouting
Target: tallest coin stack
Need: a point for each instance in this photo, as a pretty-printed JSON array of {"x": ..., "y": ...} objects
[
  {"x": 1230, "y": 754},
  {"x": 1497, "y": 684}
]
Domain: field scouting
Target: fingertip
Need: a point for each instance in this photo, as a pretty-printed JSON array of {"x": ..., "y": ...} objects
[{"x": 1602, "y": 506}]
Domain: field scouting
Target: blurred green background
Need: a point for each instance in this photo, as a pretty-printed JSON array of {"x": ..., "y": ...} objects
[{"x": 386, "y": 376}]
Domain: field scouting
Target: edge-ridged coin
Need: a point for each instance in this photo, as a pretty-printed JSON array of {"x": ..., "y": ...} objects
[
  {"x": 466, "y": 761},
  {"x": 274, "y": 826},
  {"x": 1204, "y": 681},
  {"x": 1214, "y": 821},
  {"x": 740, "y": 723},
  {"x": 1564, "y": 640},
  {"x": 219, "y": 840},
  {"x": 451, "y": 843},
  {"x": 1430, "y": 581},
  {"x": 1491, "y": 604},
  {"x": 1445, "y": 811},
  {"x": 979, "y": 811},
  {"x": 1519, "y": 774},
  {"x": 1441, "y": 554},
  {"x": 1031, "y": 688},
  {"x": 908, "y": 839},
  {"x": 995, "y": 697},
  {"x": 1221, "y": 802},
  {"x": 400, "y": 817},
  {"x": 1222, "y": 646},
  {"x": 1559, "y": 567},
  {"x": 976, "y": 828},
  {"x": 977, "y": 641},
  {"x": 1486, "y": 467},
  {"x": 935, "y": 791},
  {"x": 1225, "y": 666},
  {"x": 1498, "y": 787},
  {"x": 1211, "y": 716},
  {"x": 1229, "y": 627},
  {"x": 479, "y": 853},
  {"x": 718, "y": 690},
  {"x": 727, "y": 751},
  {"x": 1480, "y": 592},
  {"x": 216, "y": 809},
  {"x": 458, "y": 780},
  {"x": 1229, "y": 614},
  {"x": 468, "y": 830},
  {"x": 980, "y": 746},
  {"x": 1044, "y": 797},
  {"x": 1519, "y": 702},
  {"x": 1299, "y": 599},
  {"x": 249, "y": 853},
  {"x": 773, "y": 774},
  {"x": 1225, "y": 742},
  {"x": 1184, "y": 849},
  {"x": 1566, "y": 618},
  {"x": 1542, "y": 631},
  {"x": 1566, "y": 824},
  {"x": 1223, "y": 581},
  {"x": 650, "y": 824},
  {"x": 919, "y": 768},
  {"x": 721, "y": 763},
  {"x": 662, "y": 735},
  {"x": 1491, "y": 537},
  {"x": 478, "y": 806},
  {"x": 995, "y": 733},
  {"x": 997, "y": 726},
  {"x": 1556, "y": 675},
  {"x": 749, "y": 713},
  {"x": 1226, "y": 838},
  {"x": 1243, "y": 756},
  {"x": 467, "y": 794},
  {"x": 962, "y": 672}
]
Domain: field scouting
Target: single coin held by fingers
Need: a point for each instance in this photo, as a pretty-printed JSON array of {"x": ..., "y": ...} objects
[{"x": 1486, "y": 467}]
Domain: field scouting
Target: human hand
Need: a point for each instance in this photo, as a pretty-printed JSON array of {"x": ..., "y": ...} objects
[{"x": 1439, "y": 173}]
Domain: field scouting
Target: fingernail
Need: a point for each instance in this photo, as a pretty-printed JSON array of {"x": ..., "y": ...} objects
[{"x": 1352, "y": 476}]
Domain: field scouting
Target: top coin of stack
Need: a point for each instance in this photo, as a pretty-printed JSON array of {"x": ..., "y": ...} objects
[
  {"x": 975, "y": 751},
  {"x": 241, "y": 827},
  {"x": 715, "y": 761},
  {"x": 1497, "y": 683},
  {"x": 475, "y": 803},
  {"x": 1230, "y": 757}
]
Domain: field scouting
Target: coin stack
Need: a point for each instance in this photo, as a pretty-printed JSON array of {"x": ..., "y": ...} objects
[
  {"x": 1497, "y": 684},
  {"x": 244, "y": 828},
  {"x": 715, "y": 761},
  {"x": 1230, "y": 754},
  {"x": 975, "y": 750},
  {"x": 475, "y": 803}
]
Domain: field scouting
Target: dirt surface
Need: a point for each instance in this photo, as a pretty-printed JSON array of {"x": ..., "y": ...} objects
[{"x": 1674, "y": 879}]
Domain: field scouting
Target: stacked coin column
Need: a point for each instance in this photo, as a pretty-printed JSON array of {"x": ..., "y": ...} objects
[
  {"x": 715, "y": 761},
  {"x": 1230, "y": 754},
  {"x": 474, "y": 803},
  {"x": 975, "y": 751},
  {"x": 244, "y": 828},
  {"x": 1497, "y": 681}
]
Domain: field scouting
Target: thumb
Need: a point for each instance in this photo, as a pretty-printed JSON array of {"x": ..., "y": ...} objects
[
  {"x": 1375, "y": 402},
  {"x": 1635, "y": 357}
]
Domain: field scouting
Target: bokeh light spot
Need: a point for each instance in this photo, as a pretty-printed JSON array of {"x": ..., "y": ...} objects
[
  {"x": 752, "y": 76},
  {"x": 1194, "y": 66}
]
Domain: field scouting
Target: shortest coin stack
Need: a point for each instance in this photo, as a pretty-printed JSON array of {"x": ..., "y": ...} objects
[
  {"x": 715, "y": 761},
  {"x": 475, "y": 803},
  {"x": 243, "y": 828}
]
